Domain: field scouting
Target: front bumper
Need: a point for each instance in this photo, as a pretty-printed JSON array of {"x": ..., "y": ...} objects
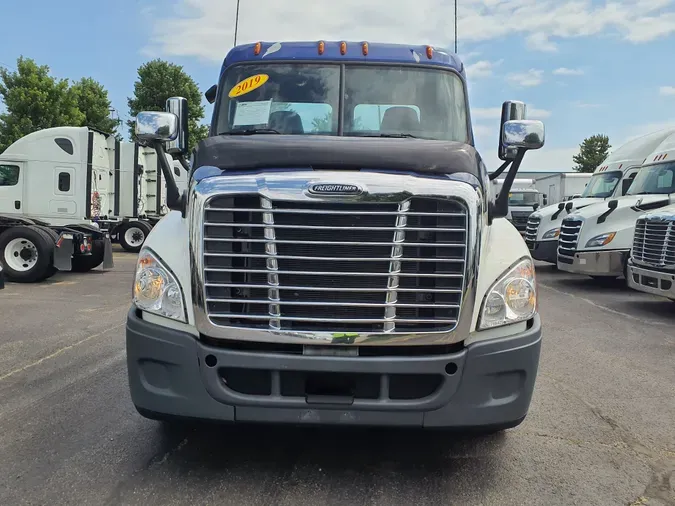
[
  {"x": 546, "y": 251},
  {"x": 651, "y": 281},
  {"x": 486, "y": 384},
  {"x": 595, "y": 263}
]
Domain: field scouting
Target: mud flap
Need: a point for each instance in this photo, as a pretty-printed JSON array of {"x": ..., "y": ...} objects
[
  {"x": 63, "y": 253},
  {"x": 108, "y": 254}
]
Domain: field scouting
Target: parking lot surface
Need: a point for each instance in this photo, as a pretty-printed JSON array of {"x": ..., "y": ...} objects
[{"x": 601, "y": 429}]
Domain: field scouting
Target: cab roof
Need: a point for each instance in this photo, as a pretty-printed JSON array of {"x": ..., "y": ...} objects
[
  {"x": 637, "y": 151},
  {"x": 353, "y": 52}
]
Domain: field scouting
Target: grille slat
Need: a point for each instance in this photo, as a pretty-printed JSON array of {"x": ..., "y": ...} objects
[
  {"x": 308, "y": 265},
  {"x": 569, "y": 237},
  {"x": 532, "y": 229},
  {"x": 654, "y": 242}
]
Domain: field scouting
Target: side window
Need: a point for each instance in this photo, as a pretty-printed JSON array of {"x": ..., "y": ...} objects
[
  {"x": 9, "y": 175},
  {"x": 625, "y": 185},
  {"x": 64, "y": 182}
]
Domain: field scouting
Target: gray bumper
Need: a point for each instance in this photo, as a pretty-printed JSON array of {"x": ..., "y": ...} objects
[
  {"x": 651, "y": 281},
  {"x": 595, "y": 263},
  {"x": 546, "y": 251},
  {"x": 489, "y": 384}
]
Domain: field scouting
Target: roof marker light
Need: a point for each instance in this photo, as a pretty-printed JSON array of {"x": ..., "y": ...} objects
[
  {"x": 257, "y": 48},
  {"x": 343, "y": 48},
  {"x": 430, "y": 52},
  {"x": 620, "y": 166},
  {"x": 322, "y": 47},
  {"x": 665, "y": 156},
  {"x": 364, "y": 48}
]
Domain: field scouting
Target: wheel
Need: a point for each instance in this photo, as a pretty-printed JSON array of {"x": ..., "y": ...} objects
[
  {"x": 55, "y": 237},
  {"x": 133, "y": 235},
  {"x": 85, "y": 263},
  {"x": 27, "y": 254}
]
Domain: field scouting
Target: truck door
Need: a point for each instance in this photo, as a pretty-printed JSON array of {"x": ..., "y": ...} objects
[
  {"x": 63, "y": 202},
  {"x": 11, "y": 187}
]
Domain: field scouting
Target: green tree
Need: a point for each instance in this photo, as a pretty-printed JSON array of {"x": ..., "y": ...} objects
[
  {"x": 157, "y": 81},
  {"x": 34, "y": 100},
  {"x": 92, "y": 101},
  {"x": 592, "y": 152}
]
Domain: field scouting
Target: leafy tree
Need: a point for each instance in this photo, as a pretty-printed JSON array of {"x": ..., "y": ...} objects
[
  {"x": 34, "y": 100},
  {"x": 592, "y": 152},
  {"x": 157, "y": 81},
  {"x": 93, "y": 102}
]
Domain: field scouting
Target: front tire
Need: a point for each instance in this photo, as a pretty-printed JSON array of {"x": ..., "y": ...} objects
[
  {"x": 27, "y": 254},
  {"x": 132, "y": 236}
]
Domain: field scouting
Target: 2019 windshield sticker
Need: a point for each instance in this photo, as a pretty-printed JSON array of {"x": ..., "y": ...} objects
[{"x": 247, "y": 85}]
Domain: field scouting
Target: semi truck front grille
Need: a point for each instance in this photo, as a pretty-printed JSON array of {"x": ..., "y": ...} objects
[
  {"x": 520, "y": 219},
  {"x": 317, "y": 266},
  {"x": 569, "y": 237},
  {"x": 654, "y": 242},
  {"x": 531, "y": 230}
]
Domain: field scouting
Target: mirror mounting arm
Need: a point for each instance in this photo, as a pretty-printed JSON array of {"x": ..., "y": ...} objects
[
  {"x": 501, "y": 207},
  {"x": 174, "y": 200}
]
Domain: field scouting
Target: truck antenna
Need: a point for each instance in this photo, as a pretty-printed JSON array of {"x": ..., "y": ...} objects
[
  {"x": 236, "y": 24},
  {"x": 455, "y": 25}
]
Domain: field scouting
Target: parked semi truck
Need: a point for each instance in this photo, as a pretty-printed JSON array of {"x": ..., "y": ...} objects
[
  {"x": 81, "y": 188},
  {"x": 562, "y": 187},
  {"x": 52, "y": 187},
  {"x": 524, "y": 199},
  {"x": 651, "y": 265},
  {"x": 611, "y": 179},
  {"x": 597, "y": 239},
  {"x": 327, "y": 266}
]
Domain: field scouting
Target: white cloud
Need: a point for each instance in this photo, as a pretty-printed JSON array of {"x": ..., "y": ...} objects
[
  {"x": 204, "y": 28},
  {"x": 562, "y": 71},
  {"x": 532, "y": 77},
  {"x": 667, "y": 91},
  {"x": 495, "y": 113},
  {"x": 482, "y": 68}
]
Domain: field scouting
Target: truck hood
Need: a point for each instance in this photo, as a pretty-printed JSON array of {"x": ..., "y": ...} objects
[
  {"x": 663, "y": 213},
  {"x": 317, "y": 152},
  {"x": 599, "y": 219},
  {"x": 550, "y": 217}
]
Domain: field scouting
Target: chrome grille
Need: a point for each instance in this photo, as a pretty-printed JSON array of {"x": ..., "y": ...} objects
[
  {"x": 531, "y": 231},
  {"x": 319, "y": 266},
  {"x": 519, "y": 219},
  {"x": 569, "y": 237},
  {"x": 654, "y": 242}
]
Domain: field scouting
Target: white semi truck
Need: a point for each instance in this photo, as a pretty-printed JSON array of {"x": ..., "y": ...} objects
[
  {"x": 610, "y": 180},
  {"x": 524, "y": 199},
  {"x": 65, "y": 192},
  {"x": 651, "y": 265},
  {"x": 597, "y": 239},
  {"x": 355, "y": 276}
]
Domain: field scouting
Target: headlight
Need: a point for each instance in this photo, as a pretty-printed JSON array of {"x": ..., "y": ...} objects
[
  {"x": 551, "y": 234},
  {"x": 512, "y": 298},
  {"x": 156, "y": 289},
  {"x": 601, "y": 240}
]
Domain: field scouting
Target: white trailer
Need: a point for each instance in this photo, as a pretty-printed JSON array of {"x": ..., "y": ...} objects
[
  {"x": 524, "y": 199},
  {"x": 562, "y": 187},
  {"x": 611, "y": 179}
]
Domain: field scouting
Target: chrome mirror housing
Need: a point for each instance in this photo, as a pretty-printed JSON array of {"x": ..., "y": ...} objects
[
  {"x": 525, "y": 134},
  {"x": 154, "y": 126}
]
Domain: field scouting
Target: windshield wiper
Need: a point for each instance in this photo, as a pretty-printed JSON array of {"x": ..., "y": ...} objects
[
  {"x": 397, "y": 136},
  {"x": 251, "y": 131}
]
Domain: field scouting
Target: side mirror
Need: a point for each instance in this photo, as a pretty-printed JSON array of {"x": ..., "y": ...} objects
[
  {"x": 511, "y": 111},
  {"x": 154, "y": 126},
  {"x": 525, "y": 134},
  {"x": 211, "y": 94},
  {"x": 545, "y": 200},
  {"x": 613, "y": 204},
  {"x": 179, "y": 107}
]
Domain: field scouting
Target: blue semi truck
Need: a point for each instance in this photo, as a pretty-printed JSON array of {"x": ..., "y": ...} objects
[{"x": 338, "y": 257}]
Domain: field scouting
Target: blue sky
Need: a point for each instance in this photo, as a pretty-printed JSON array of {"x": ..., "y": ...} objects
[{"x": 583, "y": 67}]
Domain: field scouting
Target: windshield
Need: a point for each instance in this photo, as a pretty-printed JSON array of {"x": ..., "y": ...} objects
[
  {"x": 602, "y": 185},
  {"x": 659, "y": 178},
  {"x": 523, "y": 198},
  {"x": 378, "y": 100}
]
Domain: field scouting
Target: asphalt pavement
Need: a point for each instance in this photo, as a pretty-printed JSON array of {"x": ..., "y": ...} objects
[{"x": 601, "y": 429}]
